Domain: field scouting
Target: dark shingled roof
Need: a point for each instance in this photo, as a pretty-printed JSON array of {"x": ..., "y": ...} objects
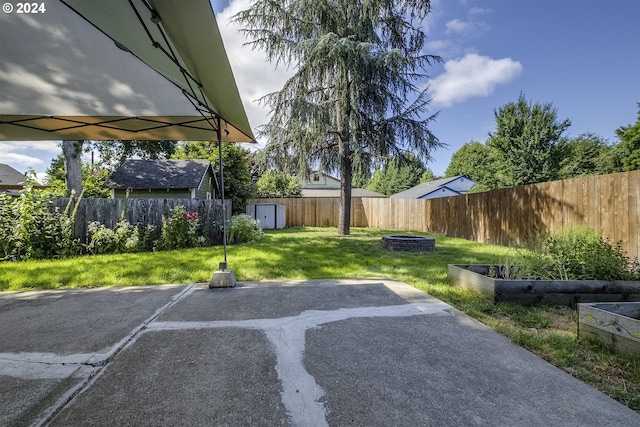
[
  {"x": 159, "y": 174},
  {"x": 10, "y": 176}
]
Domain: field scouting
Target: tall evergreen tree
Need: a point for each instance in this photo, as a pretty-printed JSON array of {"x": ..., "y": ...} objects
[{"x": 354, "y": 97}]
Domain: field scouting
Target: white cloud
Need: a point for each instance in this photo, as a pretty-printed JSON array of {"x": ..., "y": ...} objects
[
  {"x": 24, "y": 155},
  {"x": 472, "y": 76},
  {"x": 457, "y": 26},
  {"x": 255, "y": 77},
  {"x": 469, "y": 28},
  {"x": 479, "y": 11}
]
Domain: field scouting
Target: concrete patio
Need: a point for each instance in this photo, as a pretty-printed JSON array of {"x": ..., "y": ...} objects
[{"x": 308, "y": 353}]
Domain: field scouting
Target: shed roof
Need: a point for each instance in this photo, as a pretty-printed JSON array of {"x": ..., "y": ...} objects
[{"x": 160, "y": 174}]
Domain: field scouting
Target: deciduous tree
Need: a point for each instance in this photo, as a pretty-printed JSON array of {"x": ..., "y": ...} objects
[
  {"x": 112, "y": 154},
  {"x": 397, "y": 175},
  {"x": 274, "y": 183},
  {"x": 589, "y": 154},
  {"x": 527, "y": 142},
  {"x": 629, "y": 145},
  {"x": 237, "y": 179},
  {"x": 474, "y": 160},
  {"x": 72, "y": 152}
]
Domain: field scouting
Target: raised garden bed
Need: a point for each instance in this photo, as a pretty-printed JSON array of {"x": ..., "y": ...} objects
[
  {"x": 616, "y": 325},
  {"x": 476, "y": 277}
]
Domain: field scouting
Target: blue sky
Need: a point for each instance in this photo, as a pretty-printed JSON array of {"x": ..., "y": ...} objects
[{"x": 582, "y": 56}]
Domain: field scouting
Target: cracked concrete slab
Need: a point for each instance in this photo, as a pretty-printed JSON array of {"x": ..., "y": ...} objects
[
  {"x": 53, "y": 342},
  {"x": 305, "y": 353}
]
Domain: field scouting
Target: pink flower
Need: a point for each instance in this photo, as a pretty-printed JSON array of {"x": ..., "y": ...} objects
[{"x": 194, "y": 215}]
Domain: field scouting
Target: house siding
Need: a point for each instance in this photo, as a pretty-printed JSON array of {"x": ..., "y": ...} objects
[
  {"x": 153, "y": 194},
  {"x": 206, "y": 187},
  {"x": 440, "y": 192}
]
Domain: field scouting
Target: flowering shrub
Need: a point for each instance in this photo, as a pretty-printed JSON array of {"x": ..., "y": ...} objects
[
  {"x": 30, "y": 229},
  {"x": 242, "y": 229},
  {"x": 181, "y": 230}
]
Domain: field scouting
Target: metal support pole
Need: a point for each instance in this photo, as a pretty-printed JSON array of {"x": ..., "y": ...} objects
[
  {"x": 223, "y": 278},
  {"x": 224, "y": 203}
]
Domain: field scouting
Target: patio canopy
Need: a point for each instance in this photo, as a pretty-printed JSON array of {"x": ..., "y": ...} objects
[{"x": 117, "y": 70}]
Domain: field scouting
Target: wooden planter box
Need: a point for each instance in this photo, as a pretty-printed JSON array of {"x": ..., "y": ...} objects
[
  {"x": 616, "y": 325},
  {"x": 569, "y": 292}
]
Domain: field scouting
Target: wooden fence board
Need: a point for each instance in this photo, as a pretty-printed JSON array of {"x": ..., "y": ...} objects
[
  {"x": 147, "y": 212},
  {"x": 634, "y": 214},
  {"x": 610, "y": 203},
  {"x": 607, "y": 206},
  {"x": 621, "y": 213}
]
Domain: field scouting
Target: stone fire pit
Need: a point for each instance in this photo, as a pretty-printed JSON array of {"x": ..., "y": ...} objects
[{"x": 404, "y": 242}]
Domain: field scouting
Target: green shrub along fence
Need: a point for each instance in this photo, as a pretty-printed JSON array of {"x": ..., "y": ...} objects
[
  {"x": 34, "y": 226},
  {"x": 147, "y": 212}
]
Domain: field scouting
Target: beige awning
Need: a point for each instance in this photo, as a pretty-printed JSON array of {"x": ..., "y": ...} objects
[{"x": 117, "y": 69}]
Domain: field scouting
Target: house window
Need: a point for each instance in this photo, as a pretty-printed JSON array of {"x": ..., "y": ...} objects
[{"x": 316, "y": 178}]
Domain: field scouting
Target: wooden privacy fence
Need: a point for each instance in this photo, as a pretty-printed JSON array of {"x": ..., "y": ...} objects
[
  {"x": 316, "y": 211},
  {"x": 145, "y": 212},
  {"x": 610, "y": 203}
]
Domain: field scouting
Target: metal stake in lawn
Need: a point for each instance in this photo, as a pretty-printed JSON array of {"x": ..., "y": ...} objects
[{"x": 222, "y": 278}]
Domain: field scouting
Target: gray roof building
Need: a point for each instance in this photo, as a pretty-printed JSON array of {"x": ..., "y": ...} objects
[
  {"x": 12, "y": 181},
  {"x": 443, "y": 187},
  {"x": 10, "y": 176},
  {"x": 320, "y": 184},
  {"x": 178, "y": 178}
]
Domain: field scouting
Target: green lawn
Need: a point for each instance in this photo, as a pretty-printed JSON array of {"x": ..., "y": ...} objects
[{"x": 316, "y": 253}]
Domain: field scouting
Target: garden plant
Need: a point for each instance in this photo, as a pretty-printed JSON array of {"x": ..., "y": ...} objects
[
  {"x": 32, "y": 228},
  {"x": 572, "y": 253}
]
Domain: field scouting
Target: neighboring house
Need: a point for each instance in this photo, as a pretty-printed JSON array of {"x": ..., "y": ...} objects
[
  {"x": 444, "y": 187},
  {"x": 163, "y": 179},
  {"x": 320, "y": 184},
  {"x": 12, "y": 181}
]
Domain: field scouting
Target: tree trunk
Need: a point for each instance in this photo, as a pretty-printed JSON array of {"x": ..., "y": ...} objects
[
  {"x": 72, "y": 151},
  {"x": 346, "y": 178},
  {"x": 343, "y": 112}
]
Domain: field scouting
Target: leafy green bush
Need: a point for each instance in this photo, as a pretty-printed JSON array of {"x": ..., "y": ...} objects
[
  {"x": 30, "y": 229},
  {"x": 575, "y": 252},
  {"x": 103, "y": 240},
  {"x": 182, "y": 230},
  {"x": 275, "y": 183},
  {"x": 243, "y": 229},
  {"x": 147, "y": 238}
]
